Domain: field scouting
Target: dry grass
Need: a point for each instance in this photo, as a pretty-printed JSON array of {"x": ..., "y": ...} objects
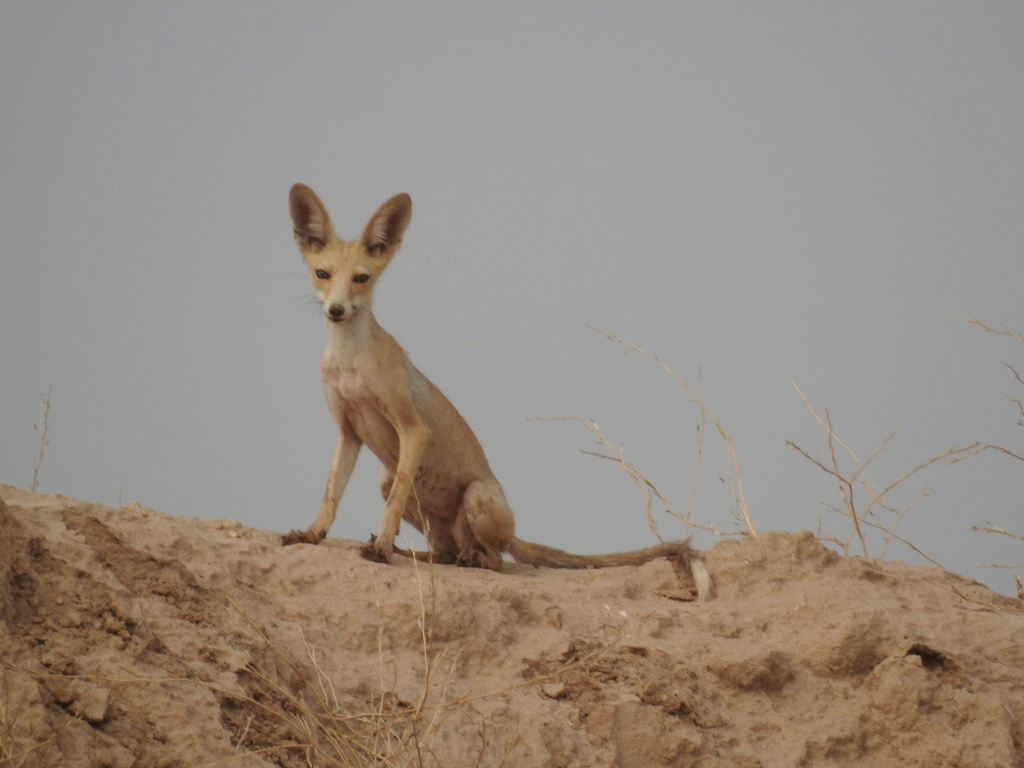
[
  {"x": 387, "y": 732},
  {"x": 17, "y": 745},
  {"x": 291, "y": 714},
  {"x": 300, "y": 719},
  {"x": 314, "y": 726}
]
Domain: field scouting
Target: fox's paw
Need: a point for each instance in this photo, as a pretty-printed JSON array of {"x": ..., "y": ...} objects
[
  {"x": 375, "y": 553},
  {"x": 301, "y": 537},
  {"x": 474, "y": 559}
]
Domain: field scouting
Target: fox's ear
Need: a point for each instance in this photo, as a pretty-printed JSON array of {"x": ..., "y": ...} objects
[
  {"x": 310, "y": 220},
  {"x": 384, "y": 230}
]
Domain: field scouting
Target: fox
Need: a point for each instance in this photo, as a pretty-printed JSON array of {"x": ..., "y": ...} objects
[{"x": 434, "y": 474}]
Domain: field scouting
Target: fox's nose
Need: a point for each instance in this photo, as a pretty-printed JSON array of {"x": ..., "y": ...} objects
[{"x": 336, "y": 312}]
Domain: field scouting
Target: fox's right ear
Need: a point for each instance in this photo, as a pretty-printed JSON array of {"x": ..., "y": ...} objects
[{"x": 310, "y": 221}]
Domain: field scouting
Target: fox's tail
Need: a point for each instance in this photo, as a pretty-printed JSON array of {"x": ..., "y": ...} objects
[{"x": 549, "y": 557}]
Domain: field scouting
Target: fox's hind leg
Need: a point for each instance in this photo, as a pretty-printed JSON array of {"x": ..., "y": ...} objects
[
  {"x": 437, "y": 532},
  {"x": 484, "y": 526}
]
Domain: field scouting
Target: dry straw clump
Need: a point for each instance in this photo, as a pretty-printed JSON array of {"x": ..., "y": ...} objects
[{"x": 300, "y": 720}]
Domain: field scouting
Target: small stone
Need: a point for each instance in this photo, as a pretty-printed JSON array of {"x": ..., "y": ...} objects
[
  {"x": 93, "y": 704},
  {"x": 554, "y": 690}
]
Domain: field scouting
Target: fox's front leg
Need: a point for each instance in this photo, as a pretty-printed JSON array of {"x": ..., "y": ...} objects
[
  {"x": 413, "y": 435},
  {"x": 345, "y": 454}
]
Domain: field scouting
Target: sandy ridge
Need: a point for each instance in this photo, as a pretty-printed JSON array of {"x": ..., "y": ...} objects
[{"x": 133, "y": 638}]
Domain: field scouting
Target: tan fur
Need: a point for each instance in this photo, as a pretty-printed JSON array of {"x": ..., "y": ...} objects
[{"x": 435, "y": 475}]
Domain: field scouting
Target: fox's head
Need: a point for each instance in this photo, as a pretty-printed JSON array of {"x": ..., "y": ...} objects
[{"x": 344, "y": 272}]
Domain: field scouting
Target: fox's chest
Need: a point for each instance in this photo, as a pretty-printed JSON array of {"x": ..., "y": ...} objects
[
  {"x": 347, "y": 384},
  {"x": 354, "y": 402}
]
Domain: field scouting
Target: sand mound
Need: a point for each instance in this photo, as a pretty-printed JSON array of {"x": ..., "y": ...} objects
[{"x": 133, "y": 638}]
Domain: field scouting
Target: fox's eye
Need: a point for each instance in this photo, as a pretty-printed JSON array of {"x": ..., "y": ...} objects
[
  {"x": 360, "y": 278},
  {"x": 322, "y": 274}
]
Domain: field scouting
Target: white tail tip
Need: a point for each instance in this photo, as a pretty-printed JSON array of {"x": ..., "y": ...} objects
[{"x": 702, "y": 578}]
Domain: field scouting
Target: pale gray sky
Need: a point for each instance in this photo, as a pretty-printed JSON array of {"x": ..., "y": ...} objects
[{"x": 769, "y": 192}]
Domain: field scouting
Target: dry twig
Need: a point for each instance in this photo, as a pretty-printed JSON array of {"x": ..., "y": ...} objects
[
  {"x": 644, "y": 485},
  {"x": 1012, "y": 454},
  {"x": 735, "y": 475},
  {"x": 866, "y": 515},
  {"x": 44, "y": 439}
]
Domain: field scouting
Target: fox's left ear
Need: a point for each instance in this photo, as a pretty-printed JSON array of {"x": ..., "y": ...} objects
[{"x": 384, "y": 230}]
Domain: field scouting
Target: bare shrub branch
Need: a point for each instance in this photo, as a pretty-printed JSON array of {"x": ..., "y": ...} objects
[
  {"x": 984, "y": 327},
  {"x": 735, "y": 475},
  {"x": 44, "y": 439},
  {"x": 647, "y": 489},
  {"x": 992, "y": 528},
  {"x": 1012, "y": 454},
  {"x": 867, "y": 514}
]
